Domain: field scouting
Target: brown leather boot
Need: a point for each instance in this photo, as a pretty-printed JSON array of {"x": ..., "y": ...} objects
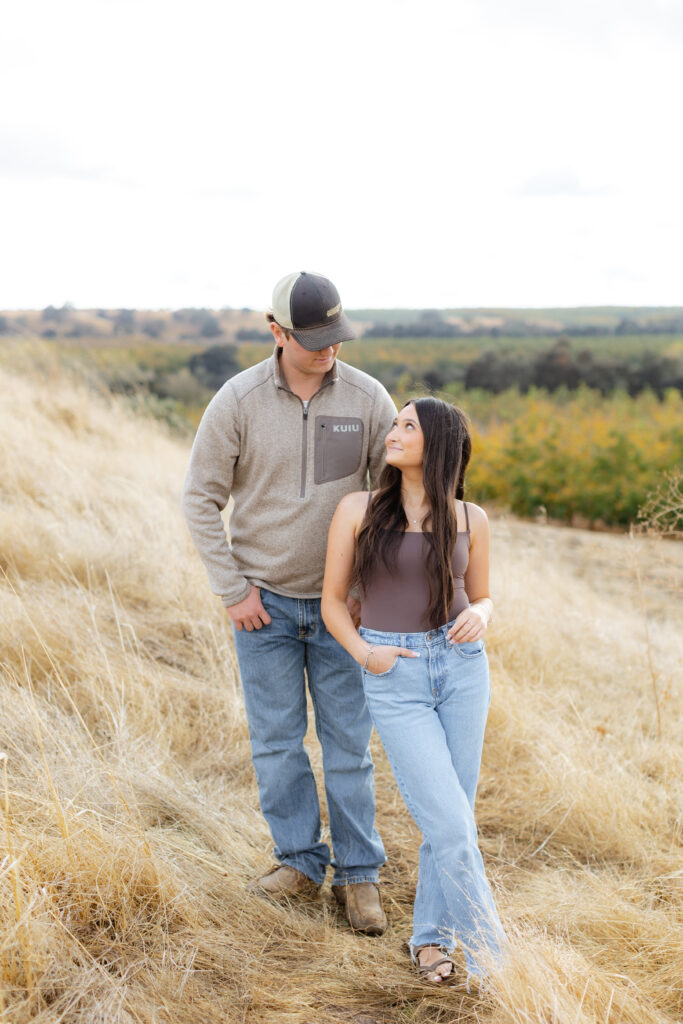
[
  {"x": 284, "y": 882},
  {"x": 362, "y": 905}
]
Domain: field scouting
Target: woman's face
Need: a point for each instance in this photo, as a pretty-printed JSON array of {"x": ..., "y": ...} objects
[{"x": 405, "y": 440}]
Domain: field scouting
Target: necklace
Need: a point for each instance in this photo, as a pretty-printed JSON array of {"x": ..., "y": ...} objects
[{"x": 409, "y": 516}]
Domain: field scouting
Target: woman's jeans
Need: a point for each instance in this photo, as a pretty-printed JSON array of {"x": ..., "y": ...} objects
[
  {"x": 430, "y": 714},
  {"x": 275, "y": 662}
]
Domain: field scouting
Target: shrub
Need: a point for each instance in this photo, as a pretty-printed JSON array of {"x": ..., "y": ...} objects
[{"x": 215, "y": 365}]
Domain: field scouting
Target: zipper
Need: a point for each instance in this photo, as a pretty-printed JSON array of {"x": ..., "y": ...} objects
[
  {"x": 304, "y": 448},
  {"x": 304, "y": 432},
  {"x": 323, "y": 449}
]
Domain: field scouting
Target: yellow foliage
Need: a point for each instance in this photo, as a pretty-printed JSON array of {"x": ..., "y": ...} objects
[{"x": 575, "y": 455}]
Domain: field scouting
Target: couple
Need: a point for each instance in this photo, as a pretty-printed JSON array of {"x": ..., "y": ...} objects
[{"x": 293, "y": 440}]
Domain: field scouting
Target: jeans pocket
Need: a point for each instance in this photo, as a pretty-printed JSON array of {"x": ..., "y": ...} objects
[
  {"x": 470, "y": 648},
  {"x": 383, "y": 675},
  {"x": 266, "y": 596}
]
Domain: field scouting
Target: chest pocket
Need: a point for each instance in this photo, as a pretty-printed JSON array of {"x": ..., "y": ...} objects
[{"x": 338, "y": 447}]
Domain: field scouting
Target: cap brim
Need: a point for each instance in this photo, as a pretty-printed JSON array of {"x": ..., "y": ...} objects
[{"x": 315, "y": 338}]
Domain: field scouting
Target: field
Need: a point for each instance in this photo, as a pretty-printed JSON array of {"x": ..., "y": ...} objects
[
  {"x": 419, "y": 355},
  {"x": 130, "y": 814}
]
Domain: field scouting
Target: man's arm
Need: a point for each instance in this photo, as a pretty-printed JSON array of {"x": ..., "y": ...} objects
[
  {"x": 381, "y": 419},
  {"x": 208, "y": 483}
]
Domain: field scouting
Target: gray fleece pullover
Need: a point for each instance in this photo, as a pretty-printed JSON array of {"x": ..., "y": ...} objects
[{"x": 287, "y": 466}]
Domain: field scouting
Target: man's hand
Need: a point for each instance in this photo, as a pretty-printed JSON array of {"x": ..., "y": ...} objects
[{"x": 250, "y": 613}]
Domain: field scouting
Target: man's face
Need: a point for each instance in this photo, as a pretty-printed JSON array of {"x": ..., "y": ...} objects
[{"x": 298, "y": 358}]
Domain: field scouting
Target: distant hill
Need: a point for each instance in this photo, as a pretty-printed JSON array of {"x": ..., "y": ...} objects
[
  {"x": 606, "y": 315},
  {"x": 573, "y": 321},
  {"x": 207, "y": 326},
  {"x": 204, "y": 326}
]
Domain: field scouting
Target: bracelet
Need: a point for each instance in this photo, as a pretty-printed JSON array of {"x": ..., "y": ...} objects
[{"x": 367, "y": 656}]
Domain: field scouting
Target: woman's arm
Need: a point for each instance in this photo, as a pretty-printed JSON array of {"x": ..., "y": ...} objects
[
  {"x": 472, "y": 622},
  {"x": 341, "y": 552}
]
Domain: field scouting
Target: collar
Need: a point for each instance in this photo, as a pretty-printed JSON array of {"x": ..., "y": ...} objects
[{"x": 279, "y": 374}]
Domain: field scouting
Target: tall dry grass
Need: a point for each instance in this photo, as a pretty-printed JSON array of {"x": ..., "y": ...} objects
[{"x": 130, "y": 821}]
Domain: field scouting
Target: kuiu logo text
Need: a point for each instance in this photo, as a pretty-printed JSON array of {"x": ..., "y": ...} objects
[{"x": 343, "y": 428}]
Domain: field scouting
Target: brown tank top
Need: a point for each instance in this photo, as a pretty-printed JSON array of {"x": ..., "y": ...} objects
[{"x": 397, "y": 602}]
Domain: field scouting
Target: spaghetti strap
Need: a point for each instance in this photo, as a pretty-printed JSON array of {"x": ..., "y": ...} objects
[
  {"x": 369, "y": 500},
  {"x": 467, "y": 518}
]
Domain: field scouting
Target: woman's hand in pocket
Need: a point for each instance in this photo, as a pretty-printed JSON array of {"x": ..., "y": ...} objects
[{"x": 383, "y": 656}]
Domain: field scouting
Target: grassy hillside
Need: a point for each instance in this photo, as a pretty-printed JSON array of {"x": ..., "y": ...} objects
[{"x": 130, "y": 814}]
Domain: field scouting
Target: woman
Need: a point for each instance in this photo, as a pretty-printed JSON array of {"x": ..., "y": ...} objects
[{"x": 419, "y": 556}]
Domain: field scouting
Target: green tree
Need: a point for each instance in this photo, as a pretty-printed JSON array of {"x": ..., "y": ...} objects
[{"x": 215, "y": 365}]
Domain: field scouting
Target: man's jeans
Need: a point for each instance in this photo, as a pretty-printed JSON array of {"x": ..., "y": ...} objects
[
  {"x": 430, "y": 714},
  {"x": 272, "y": 661}
]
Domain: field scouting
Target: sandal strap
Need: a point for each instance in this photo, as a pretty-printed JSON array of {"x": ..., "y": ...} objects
[{"x": 430, "y": 968}]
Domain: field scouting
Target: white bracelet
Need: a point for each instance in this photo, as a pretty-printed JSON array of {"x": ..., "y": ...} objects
[{"x": 367, "y": 656}]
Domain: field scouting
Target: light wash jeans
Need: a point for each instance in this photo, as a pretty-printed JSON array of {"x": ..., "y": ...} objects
[
  {"x": 430, "y": 714},
  {"x": 272, "y": 661}
]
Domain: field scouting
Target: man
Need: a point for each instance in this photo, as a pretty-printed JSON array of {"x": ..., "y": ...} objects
[{"x": 288, "y": 438}]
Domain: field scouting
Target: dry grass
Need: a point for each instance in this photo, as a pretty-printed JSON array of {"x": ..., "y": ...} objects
[{"x": 130, "y": 816}]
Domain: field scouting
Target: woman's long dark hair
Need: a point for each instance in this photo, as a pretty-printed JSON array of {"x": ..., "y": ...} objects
[{"x": 447, "y": 450}]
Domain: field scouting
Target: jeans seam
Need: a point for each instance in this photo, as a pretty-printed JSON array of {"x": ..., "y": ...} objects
[{"x": 316, "y": 712}]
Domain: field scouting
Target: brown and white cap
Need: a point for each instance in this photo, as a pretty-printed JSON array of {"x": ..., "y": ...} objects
[{"x": 308, "y": 305}]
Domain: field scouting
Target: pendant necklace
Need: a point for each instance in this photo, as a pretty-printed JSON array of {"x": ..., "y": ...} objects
[
  {"x": 413, "y": 520},
  {"x": 409, "y": 516}
]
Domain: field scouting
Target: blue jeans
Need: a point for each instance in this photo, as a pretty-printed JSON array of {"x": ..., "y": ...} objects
[
  {"x": 272, "y": 662},
  {"x": 430, "y": 714}
]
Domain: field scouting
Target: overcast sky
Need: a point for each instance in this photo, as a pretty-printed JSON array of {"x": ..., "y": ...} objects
[{"x": 156, "y": 154}]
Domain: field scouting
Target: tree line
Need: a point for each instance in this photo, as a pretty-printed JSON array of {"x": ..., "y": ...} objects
[
  {"x": 560, "y": 366},
  {"x": 431, "y": 324}
]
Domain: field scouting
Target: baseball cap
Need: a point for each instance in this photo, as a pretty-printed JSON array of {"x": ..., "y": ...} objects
[{"x": 309, "y": 307}]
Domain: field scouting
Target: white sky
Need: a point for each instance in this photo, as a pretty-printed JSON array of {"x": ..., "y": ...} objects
[{"x": 433, "y": 153}]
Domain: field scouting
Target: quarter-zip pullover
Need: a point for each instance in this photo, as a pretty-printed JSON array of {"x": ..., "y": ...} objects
[{"x": 287, "y": 464}]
